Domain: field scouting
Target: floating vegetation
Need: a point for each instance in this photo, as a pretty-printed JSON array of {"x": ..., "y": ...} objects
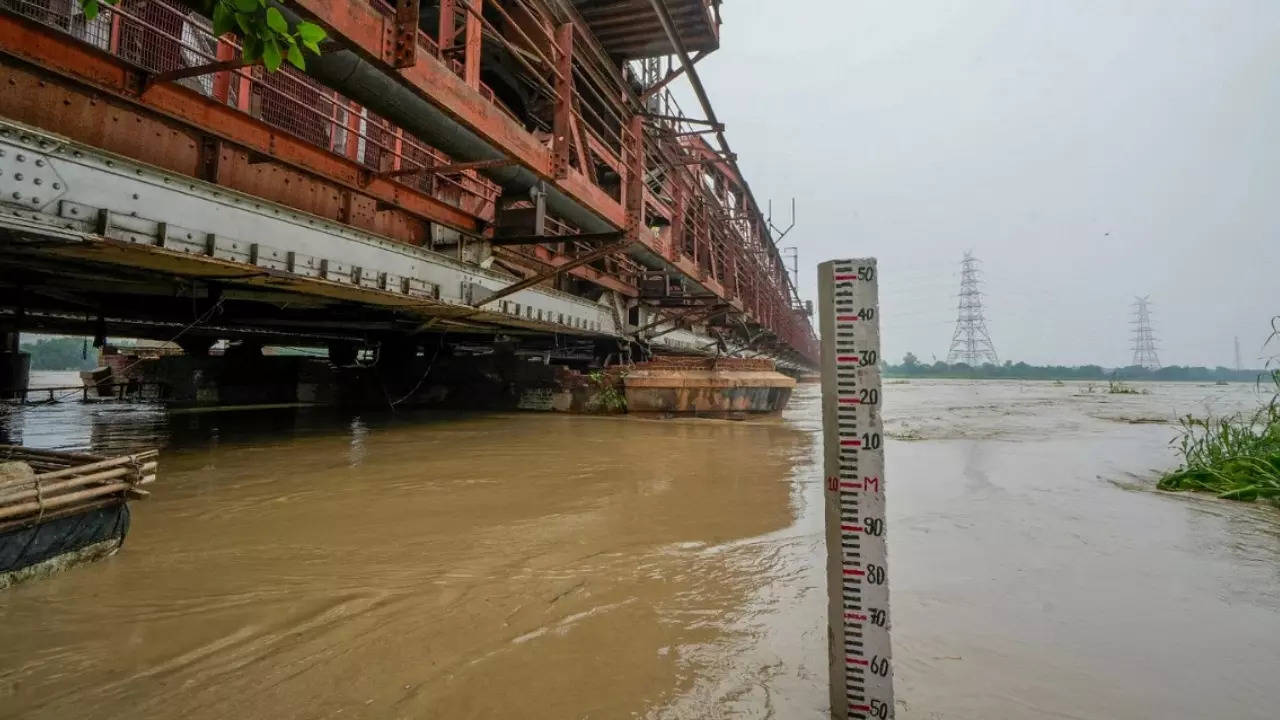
[
  {"x": 606, "y": 393},
  {"x": 1236, "y": 457},
  {"x": 1115, "y": 387}
]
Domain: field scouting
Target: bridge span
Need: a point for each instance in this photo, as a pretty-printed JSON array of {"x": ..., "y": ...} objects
[{"x": 512, "y": 171}]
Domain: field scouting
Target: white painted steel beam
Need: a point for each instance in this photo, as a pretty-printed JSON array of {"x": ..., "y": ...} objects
[{"x": 59, "y": 198}]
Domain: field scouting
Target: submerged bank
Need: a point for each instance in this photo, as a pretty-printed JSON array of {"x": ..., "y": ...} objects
[{"x": 1236, "y": 457}]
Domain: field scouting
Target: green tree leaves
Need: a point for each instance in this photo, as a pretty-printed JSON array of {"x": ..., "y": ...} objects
[
  {"x": 276, "y": 22},
  {"x": 271, "y": 55},
  {"x": 61, "y": 353},
  {"x": 264, "y": 32},
  {"x": 223, "y": 19},
  {"x": 310, "y": 35}
]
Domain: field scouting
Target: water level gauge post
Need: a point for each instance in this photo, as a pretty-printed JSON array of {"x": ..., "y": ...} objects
[{"x": 861, "y": 661}]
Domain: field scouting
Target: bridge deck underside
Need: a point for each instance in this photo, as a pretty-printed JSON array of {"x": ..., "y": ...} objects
[
  {"x": 631, "y": 28},
  {"x": 82, "y": 230}
]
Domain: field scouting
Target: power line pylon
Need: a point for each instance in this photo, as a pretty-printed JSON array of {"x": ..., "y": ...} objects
[
  {"x": 1239, "y": 364},
  {"x": 1144, "y": 340},
  {"x": 971, "y": 344}
]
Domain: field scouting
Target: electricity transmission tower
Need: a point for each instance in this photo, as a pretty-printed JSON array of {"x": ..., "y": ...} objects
[
  {"x": 1239, "y": 365},
  {"x": 971, "y": 344},
  {"x": 1144, "y": 340}
]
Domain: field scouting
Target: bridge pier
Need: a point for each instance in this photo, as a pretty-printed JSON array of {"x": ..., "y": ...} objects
[
  {"x": 15, "y": 367},
  {"x": 396, "y": 372}
]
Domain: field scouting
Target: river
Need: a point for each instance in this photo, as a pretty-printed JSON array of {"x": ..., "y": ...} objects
[{"x": 308, "y": 563}]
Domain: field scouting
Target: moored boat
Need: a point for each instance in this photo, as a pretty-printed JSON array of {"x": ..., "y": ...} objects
[{"x": 59, "y": 509}]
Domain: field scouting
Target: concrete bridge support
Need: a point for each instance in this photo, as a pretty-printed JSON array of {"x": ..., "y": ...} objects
[{"x": 15, "y": 367}]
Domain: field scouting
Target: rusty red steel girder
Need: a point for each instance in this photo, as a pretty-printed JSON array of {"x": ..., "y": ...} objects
[
  {"x": 675, "y": 197},
  {"x": 95, "y": 96},
  {"x": 758, "y": 284},
  {"x": 111, "y": 106}
]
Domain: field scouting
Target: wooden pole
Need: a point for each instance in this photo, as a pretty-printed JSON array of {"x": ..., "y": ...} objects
[
  {"x": 100, "y": 465},
  {"x": 50, "y": 490},
  {"x": 64, "y": 500}
]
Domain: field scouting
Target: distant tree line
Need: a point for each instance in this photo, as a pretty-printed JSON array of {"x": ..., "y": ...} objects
[
  {"x": 912, "y": 367},
  {"x": 61, "y": 353}
]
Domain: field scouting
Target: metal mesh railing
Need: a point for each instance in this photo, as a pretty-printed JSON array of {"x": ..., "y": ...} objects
[{"x": 159, "y": 36}]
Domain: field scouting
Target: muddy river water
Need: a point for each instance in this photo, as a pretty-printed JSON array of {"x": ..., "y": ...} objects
[{"x": 310, "y": 564}]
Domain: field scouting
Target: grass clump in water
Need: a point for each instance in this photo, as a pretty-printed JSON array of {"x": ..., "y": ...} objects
[
  {"x": 1236, "y": 457},
  {"x": 1115, "y": 387}
]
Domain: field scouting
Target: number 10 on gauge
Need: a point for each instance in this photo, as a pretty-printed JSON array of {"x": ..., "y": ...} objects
[{"x": 861, "y": 661}]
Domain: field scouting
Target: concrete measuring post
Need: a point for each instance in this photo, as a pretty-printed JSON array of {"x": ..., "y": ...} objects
[{"x": 860, "y": 656}]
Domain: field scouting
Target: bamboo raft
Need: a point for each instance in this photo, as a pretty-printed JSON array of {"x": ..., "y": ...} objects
[{"x": 60, "y": 508}]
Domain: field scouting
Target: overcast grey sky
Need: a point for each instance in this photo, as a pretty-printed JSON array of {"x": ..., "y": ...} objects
[{"x": 1086, "y": 150}]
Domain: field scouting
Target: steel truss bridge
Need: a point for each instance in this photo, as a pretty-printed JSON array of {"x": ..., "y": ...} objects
[{"x": 514, "y": 168}]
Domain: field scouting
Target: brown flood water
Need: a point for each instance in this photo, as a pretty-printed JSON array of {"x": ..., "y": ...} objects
[{"x": 307, "y": 564}]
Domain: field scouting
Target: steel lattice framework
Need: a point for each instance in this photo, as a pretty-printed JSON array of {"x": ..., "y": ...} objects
[
  {"x": 971, "y": 343},
  {"x": 515, "y": 134},
  {"x": 1144, "y": 339}
]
